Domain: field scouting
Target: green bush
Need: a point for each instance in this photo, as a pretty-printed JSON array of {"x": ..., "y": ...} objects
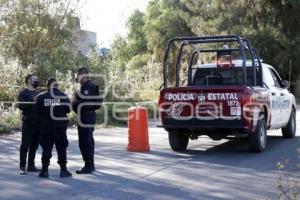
[
  {"x": 9, "y": 119},
  {"x": 12, "y": 78},
  {"x": 4, "y": 129},
  {"x": 105, "y": 116},
  {"x": 116, "y": 114}
]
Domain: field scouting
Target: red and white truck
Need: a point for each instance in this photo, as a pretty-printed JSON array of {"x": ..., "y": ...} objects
[{"x": 233, "y": 95}]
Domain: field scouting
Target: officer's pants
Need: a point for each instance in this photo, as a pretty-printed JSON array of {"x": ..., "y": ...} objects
[
  {"x": 30, "y": 141},
  {"x": 85, "y": 136},
  {"x": 54, "y": 135},
  {"x": 86, "y": 143}
]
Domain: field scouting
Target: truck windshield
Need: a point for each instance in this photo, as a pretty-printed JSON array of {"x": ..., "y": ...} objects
[{"x": 221, "y": 77}]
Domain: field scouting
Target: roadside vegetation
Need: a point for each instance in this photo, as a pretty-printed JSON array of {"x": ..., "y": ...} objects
[
  {"x": 41, "y": 37},
  {"x": 288, "y": 187}
]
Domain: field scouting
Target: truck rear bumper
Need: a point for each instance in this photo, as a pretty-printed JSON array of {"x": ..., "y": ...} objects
[{"x": 200, "y": 124}]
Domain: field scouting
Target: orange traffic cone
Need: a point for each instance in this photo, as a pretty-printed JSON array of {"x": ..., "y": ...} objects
[{"x": 138, "y": 138}]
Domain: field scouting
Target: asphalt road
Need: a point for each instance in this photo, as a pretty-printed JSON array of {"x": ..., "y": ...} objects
[{"x": 208, "y": 170}]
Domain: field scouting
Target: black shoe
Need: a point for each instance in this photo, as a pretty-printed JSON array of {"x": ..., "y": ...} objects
[
  {"x": 65, "y": 174},
  {"x": 23, "y": 171},
  {"x": 33, "y": 169},
  {"x": 44, "y": 174},
  {"x": 85, "y": 170}
]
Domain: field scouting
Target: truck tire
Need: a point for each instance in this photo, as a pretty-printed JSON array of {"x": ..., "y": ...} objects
[
  {"x": 258, "y": 139},
  {"x": 290, "y": 130},
  {"x": 178, "y": 140}
]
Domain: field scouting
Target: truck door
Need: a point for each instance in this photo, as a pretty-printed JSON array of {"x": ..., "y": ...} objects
[
  {"x": 275, "y": 98},
  {"x": 284, "y": 104}
]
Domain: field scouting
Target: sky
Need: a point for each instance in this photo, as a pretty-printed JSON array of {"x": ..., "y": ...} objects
[{"x": 108, "y": 17}]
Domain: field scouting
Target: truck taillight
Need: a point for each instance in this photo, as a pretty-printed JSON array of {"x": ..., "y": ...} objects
[
  {"x": 246, "y": 100},
  {"x": 160, "y": 106}
]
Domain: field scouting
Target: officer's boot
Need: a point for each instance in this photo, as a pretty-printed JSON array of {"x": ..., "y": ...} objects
[
  {"x": 44, "y": 173},
  {"x": 87, "y": 169},
  {"x": 23, "y": 170},
  {"x": 64, "y": 173}
]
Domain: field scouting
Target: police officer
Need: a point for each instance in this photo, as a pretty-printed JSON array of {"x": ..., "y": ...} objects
[
  {"x": 30, "y": 125},
  {"x": 85, "y": 103},
  {"x": 53, "y": 105}
]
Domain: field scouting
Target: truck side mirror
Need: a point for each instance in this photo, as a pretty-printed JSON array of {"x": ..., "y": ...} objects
[{"x": 286, "y": 84}]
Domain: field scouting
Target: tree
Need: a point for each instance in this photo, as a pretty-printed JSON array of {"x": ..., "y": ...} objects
[
  {"x": 162, "y": 22},
  {"x": 288, "y": 15},
  {"x": 137, "y": 42},
  {"x": 124, "y": 49},
  {"x": 31, "y": 28},
  {"x": 272, "y": 26},
  {"x": 120, "y": 53}
]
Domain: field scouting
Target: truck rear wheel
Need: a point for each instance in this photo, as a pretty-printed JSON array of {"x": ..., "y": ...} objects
[
  {"x": 178, "y": 140},
  {"x": 258, "y": 139},
  {"x": 290, "y": 130}
]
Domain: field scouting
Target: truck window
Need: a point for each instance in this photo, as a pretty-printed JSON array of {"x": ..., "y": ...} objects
[
  {"x": 268, "y": 77},
  {"x": 222, "y": 77},
  {"x": 277, "y": 79},
  {"x": 271, "y": 78}
]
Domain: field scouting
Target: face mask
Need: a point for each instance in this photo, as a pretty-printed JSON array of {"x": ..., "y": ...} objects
[
  {"x": 79, "y": 78},
  {"x": 35, "y": 84}
]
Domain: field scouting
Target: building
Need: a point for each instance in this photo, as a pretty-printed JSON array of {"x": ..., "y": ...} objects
[{"x": 86, "y": 40}]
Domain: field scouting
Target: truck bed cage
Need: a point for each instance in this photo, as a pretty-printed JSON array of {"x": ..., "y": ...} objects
[{"x": 243, "y": 44}]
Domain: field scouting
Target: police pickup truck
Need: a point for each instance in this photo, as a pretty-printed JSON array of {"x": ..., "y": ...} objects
[{"x": 228, "y": 92}]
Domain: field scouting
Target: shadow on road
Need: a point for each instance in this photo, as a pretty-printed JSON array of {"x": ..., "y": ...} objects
[{"x": 236, "y": 153}]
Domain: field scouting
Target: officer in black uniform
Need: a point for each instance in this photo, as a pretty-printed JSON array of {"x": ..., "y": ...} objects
[
  {"x": 85, "y": 103},
  {"x": 30, "y": 125},
  {"x": 54, "y": 105}
]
